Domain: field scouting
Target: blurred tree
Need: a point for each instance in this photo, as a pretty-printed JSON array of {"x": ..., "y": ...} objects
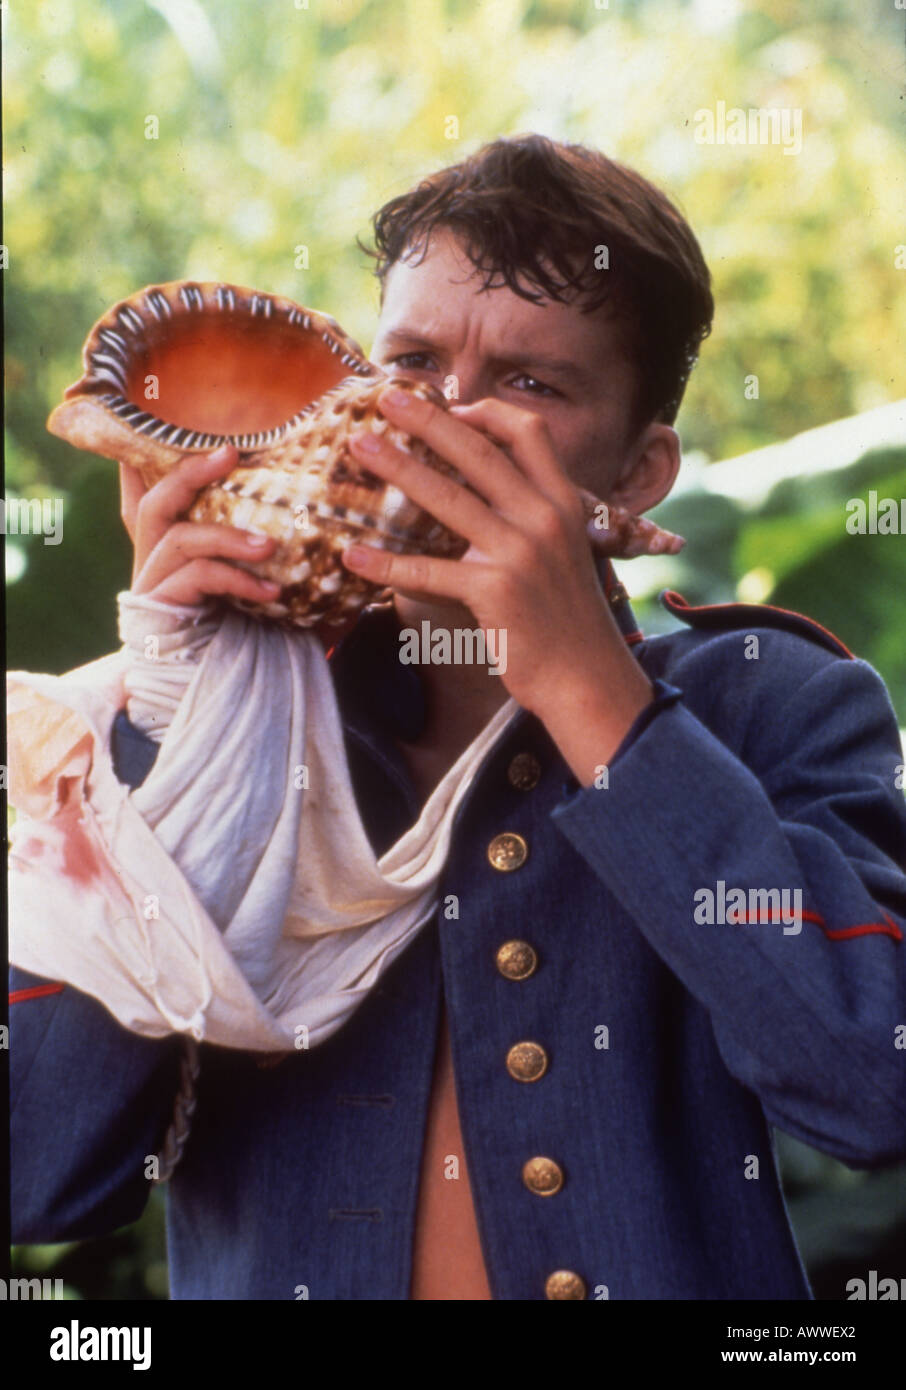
[
  {"x": 800, "y": 555},
  {"x": 151, "y": 140}
]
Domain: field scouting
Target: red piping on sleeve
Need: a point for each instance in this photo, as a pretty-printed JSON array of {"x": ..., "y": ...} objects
[
  {"x": 886, "y": 928},
  {"x": 35, "y": 992}
]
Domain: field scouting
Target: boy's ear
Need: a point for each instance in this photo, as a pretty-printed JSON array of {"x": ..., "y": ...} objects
[{"x": 649, "y": 470}]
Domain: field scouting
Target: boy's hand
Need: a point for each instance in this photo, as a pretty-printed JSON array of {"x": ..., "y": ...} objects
[
  {"x": 528, "y": 573},
  {"x": 185, "y": 562},
  {"x": 529, "y": 570}
]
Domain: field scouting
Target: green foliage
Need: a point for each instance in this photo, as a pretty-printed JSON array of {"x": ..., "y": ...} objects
[
  {"x": 798, "y": 546},
  {"x": 130, "y": 1264},
  {"x": 281, "y": 127},
  {"x": 63, "y": 613}
]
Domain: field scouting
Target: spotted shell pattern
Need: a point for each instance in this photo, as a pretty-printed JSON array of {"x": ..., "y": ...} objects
[{"x": 314, "y": 499}]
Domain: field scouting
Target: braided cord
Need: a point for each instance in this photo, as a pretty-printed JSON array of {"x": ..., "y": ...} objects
[{"x": 183, "y": 1110}]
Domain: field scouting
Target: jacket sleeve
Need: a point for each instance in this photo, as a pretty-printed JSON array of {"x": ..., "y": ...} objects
[
  {"x": 784, "y": 778},
  {"x": 90, "y": 1101}
]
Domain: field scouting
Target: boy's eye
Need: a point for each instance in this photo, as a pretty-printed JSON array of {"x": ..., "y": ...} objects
[
  {"x": 423, "y": 361},
  {"x": 407, "y": 359},
  {"x": 536, "y": 388}
]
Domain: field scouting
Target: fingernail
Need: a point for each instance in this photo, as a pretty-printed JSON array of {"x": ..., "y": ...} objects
[
  {"x": 356, "y": 555},
  {"x": 270, "y": 586},
  {"x": 367, "y": 442},
  {"x": 401, "y": 399},
  {"x": 254, "y": 539}
]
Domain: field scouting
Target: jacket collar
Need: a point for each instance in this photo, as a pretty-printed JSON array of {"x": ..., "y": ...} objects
[{"x": 379, "y": 695}]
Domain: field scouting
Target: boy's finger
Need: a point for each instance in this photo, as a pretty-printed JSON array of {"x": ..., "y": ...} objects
[
  {"x": 172, "y": 497},
  {"x": 132, "y": 490}
]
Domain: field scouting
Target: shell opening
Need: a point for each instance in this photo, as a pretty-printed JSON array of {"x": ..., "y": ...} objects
[{"x": 217, "y": 369}]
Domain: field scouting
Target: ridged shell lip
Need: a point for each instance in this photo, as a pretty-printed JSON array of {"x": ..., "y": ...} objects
[
  {"x": 268, "y": 342},
  {"x": 188, "y": 366}
]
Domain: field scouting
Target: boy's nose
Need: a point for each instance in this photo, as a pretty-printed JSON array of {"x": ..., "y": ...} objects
[{"x": 463, "y": 387}]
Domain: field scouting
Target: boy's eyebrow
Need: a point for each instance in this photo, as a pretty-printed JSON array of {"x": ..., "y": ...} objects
[{"x": 563, "y": 367}]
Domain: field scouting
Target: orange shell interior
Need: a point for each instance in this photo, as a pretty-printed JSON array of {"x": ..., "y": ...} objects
[{"x": 227, "y": 373}]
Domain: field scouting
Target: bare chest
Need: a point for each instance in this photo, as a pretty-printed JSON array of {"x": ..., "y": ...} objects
[{"x": 427, "y": 764}]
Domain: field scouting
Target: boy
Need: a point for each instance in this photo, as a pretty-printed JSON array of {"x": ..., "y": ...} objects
[{"x": 563, "y": 1088}]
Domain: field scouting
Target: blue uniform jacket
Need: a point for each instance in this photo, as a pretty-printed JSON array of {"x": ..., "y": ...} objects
[{"x": 672, "y": 1044}]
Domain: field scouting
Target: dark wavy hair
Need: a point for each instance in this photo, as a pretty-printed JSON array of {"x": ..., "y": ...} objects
[{"x": 532, "y": 213}]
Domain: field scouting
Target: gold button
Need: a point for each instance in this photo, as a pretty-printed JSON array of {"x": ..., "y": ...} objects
[
  {"x": 563, "y": 1283},
  {"x": 526, "y": 1061},
  {"x": 524, "y": 772},
  {"x": 516, "y": 960},
  {"x": 507, "y": 852},
  {"x": 542, "y": 1176}
]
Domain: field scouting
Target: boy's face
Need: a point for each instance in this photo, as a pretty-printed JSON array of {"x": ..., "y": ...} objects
[{"x": 437, "y": 324}]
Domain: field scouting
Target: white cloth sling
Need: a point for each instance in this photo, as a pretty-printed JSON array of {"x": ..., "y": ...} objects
[{"x": 234, "y": 896}]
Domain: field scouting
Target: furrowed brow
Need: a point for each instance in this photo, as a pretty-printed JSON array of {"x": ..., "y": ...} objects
[
  {"x": 408, "y": 336},
  {"x": 561, "y": 367},
  {"x": 539, "y": 362}
]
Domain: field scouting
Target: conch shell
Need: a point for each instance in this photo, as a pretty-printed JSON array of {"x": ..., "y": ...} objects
[{"x": 185, "y": 367}]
